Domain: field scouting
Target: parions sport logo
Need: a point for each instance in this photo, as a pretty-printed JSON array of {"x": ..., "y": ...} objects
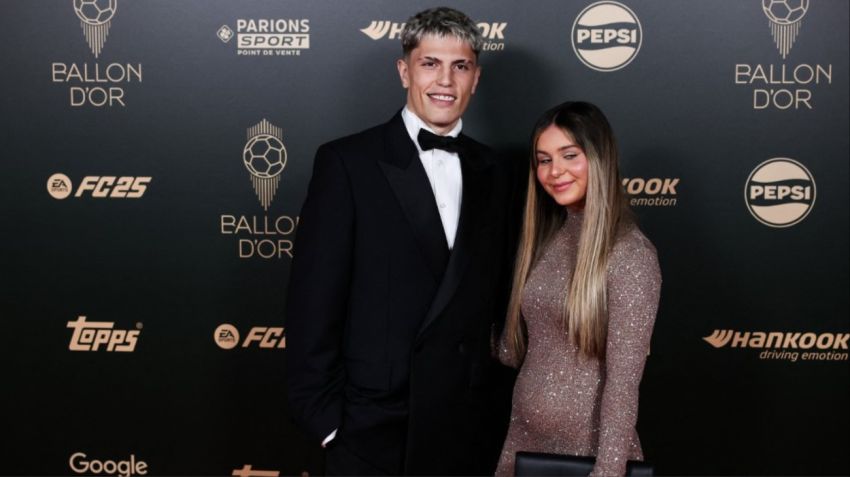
[
  {"x": 492, "y": 32},
  {"x": 60, "y": 187},
  {"x": 606, "y": 36},
  {"x": 264, "y": 157},
  {"x": 226, "y": 336},
  {"x": 780, "y": 192},
  {"x": 784, "y": 345},
  {"x": 268, "y": 36}
]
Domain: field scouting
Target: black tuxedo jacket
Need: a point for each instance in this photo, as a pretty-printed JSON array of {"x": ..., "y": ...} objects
[{"x": 388, "y": 331}]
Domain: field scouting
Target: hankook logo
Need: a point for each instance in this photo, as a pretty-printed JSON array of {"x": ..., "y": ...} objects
[
  {"x": 492, "y": 32},
  {"x": 226, "y": 336},
  {"x": 95, "y": 19},
  {"x": 783, "y": 345},
  {"x": 651, "y": 192},
  {"x": 780, "y": 192},
  {"x": 59, "y": 186},
  {"x": 785, "y": 16},
  {"x": 606, "y": 36}
]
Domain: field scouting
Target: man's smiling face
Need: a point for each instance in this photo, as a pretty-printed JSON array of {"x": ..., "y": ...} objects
[{"x": 440, "y": 76}]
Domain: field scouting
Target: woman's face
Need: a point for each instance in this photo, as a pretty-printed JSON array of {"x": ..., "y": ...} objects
[{"x": 561, "y": 168}]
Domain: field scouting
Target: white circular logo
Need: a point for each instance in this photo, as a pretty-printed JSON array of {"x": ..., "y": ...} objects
[
  {"x": 780, "y": 192},
  {"x": 226, "y": 336},
  {"x": 59, "y": 186},
  {"x": 264, "y": 156},
  {"x": 95, "y": 12},
  {"x": 606, "y": 36},
  {"x": 785, "y": 12}
]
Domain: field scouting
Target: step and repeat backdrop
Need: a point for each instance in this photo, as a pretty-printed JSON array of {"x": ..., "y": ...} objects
[{"x": 155, "y": 156}]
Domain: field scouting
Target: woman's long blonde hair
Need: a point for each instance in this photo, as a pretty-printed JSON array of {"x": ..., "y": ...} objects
[{"x": 606, "y": 213}]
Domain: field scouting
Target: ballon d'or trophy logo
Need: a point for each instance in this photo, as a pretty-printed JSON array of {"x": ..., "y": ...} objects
[
  {"x": 785, "y": 16},
  {"x": 95, "y": 18},
  {"x": 264, "y": 156}
]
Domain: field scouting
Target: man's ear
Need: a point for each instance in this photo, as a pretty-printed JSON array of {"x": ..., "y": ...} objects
[{"x": 401, "y": 64}]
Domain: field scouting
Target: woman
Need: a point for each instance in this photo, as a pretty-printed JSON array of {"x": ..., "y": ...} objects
[{"x": 585, "y": 292}]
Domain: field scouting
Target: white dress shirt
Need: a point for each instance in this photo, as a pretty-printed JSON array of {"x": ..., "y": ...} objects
[{"x": 444, "y": 174}]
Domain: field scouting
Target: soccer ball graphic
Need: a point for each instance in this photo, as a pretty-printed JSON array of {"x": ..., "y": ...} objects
[
  {"x": 95, "y": 12},
  {"x": 785, "y": 12},
  {"x": 264, "y": 156}
]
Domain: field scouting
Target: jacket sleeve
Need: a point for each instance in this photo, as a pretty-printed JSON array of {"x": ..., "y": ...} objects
[
  {"x": 317, "y": 299},
  {"x": 634, "y": 286}
]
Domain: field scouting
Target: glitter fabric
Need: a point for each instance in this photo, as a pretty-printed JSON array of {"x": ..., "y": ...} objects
[{"x": 564, "y": 403}]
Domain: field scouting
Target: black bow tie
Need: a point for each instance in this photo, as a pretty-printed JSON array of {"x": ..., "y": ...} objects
[{"x": 428, "y": 140}]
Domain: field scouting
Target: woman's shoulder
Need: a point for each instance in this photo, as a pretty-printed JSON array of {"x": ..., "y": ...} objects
[{"x": 633, "y": 251}]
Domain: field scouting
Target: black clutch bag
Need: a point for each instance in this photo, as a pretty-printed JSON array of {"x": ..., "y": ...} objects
[{"x": 543, "y": 465}]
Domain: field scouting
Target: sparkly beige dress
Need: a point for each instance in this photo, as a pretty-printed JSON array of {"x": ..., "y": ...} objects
[{"x": 564, "y": 403}]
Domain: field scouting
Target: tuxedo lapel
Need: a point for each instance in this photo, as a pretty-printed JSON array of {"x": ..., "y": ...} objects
[
  {"x": 409, "y": 182},
  {"x": 477, "y": 185}
]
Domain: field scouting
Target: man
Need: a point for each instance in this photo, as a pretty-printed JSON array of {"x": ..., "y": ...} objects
[{"x": 400, "y": 274}]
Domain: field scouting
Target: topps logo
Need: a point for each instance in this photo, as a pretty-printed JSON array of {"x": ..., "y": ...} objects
[{"x": 94, "y": 335}]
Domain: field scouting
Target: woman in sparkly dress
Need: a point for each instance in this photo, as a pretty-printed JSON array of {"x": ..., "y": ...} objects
[{"x": 584, "y": 298}]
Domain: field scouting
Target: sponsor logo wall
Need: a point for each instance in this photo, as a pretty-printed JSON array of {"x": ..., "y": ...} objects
[{"x": 144, "y": 293}]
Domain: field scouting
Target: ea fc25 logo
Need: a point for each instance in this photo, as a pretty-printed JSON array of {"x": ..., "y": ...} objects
[
  {"x": 95, "y": 19},
  {"x": 780, "y": 192},
  {"x": 226, "y": 336},
  {"x": 606, "y": 36},
  {"x": 59, "y": 186},
  {"x": 785, "y": 19},
  {"x": 97, "y": 335}
]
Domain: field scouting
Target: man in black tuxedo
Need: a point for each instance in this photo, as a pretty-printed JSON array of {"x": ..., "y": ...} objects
[{"x": 400, "y": 277}]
